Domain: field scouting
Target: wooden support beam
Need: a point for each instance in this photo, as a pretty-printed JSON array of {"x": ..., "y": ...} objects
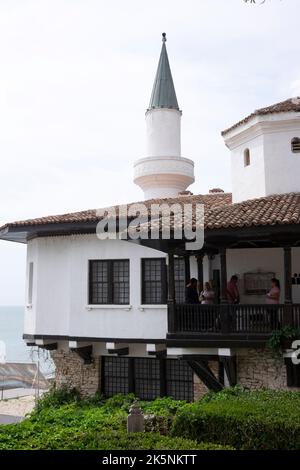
[
  {"x": 287, "y": 275},
  {"x": 84, "y": 353},
  {"x": 205, "y": 374},
  {"x": 229, "y": 363},
  {"x": 200, "y": 271},
  {"x": 171, "y": 279},
  {"x": 50, "y": 347},
  {"x": 119, "y": 351},
  {"x": 187, "y": 268},
  {"x": 223, "y": 261}
]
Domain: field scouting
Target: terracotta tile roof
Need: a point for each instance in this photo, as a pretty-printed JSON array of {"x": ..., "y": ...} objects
[
  {"x": 279, "y": 209},
  {"x": 209, "y": 201},
  {"x": 220, "y": 213},
  {"x": 272, "y": 210},
  {"x": 290, "y": 105}
]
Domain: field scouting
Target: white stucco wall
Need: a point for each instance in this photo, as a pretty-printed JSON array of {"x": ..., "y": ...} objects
[
  {"x": 282, "y": 166},
  {"x": 163, "y": 133},
  {"x": 60, "y": 300},
  {"x": 241, "y": 261},
  {"x": 274, "y": 168},
  {"x": 248, "y": 182}
]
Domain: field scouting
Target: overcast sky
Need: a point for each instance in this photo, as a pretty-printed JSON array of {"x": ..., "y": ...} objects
[{"x": 76, "y": 79}]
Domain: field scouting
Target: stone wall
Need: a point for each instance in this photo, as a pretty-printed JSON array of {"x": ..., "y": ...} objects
[
  {"x": 73, "y": 373},
  {"x": 257, "y": 368}
]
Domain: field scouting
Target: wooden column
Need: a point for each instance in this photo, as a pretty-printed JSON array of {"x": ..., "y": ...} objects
[
  {"x": 200, "y": 270},
  {"x": 171, "y": 279},
  {"x": 171, "y": 294},
  {"x": 187, "y": 268},
  {"x": 287, "y": 275},
  {"x": 223, "y": 293}
]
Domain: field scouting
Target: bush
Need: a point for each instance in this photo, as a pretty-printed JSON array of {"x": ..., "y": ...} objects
[
  {"x": 57, "y": 397},
  {"x": 243, "y": 419},
  {"x": 78, "y": 425}
]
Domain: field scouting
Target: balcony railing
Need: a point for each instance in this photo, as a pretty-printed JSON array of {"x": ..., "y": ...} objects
[{"x": 231, "y": 319}]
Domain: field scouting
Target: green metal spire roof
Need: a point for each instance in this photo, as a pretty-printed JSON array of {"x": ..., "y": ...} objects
[{"x": 163, "y": 93}]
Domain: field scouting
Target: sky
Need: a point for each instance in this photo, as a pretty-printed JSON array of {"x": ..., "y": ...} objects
[{"x": 76, "y": 79}]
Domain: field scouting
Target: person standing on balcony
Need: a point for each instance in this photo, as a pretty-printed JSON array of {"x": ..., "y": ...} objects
[
  {"x": 233, "y": 295},
  {"x": 207, "y": 296},
  {"x": 273, "y": 296},
  {"x": 191, "y": 293}
]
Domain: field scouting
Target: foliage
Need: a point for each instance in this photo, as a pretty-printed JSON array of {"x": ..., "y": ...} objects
[
  {"x": 276, "y": 341},
  {"x": 243, "y": 419}
]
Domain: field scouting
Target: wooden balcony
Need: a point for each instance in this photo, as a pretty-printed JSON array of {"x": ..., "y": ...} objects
[{"x": 228, "y": 325}]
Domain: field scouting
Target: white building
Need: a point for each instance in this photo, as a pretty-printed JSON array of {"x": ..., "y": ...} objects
[{"x": 113, "y": 312}]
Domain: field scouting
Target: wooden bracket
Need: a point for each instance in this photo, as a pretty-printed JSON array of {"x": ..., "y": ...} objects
[
  {"x": 229, "y": 363},
  {"x": 205, "y": 374},
  {"x": 84, "y": 353}
]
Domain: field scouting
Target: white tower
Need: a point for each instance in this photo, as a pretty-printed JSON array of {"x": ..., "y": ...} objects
[{"x": 163, "y": 172}]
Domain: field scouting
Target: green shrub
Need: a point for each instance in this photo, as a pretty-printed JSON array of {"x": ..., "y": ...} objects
[
  {"x": 57, "y": 397},
  {"x": 243, "y": 419}
]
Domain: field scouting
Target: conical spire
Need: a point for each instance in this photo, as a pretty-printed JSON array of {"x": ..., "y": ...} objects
[{"x": 163, "y": 93}]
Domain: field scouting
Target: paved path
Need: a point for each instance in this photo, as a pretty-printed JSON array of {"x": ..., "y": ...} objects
[{"x": 9, "y": 419}]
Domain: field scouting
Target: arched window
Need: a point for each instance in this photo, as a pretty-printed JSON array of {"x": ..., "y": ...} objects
[
  {"x": 296, "y": 145},
  {"x": 246, "y": 157}
]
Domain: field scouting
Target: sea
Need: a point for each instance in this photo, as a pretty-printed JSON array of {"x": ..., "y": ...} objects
[{"x": 13, "y": 347}]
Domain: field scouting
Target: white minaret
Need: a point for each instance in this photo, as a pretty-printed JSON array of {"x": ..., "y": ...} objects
[{"x": 163, "y": 172}]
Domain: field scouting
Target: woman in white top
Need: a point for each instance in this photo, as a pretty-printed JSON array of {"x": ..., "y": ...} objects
[{"x": 207, "y": 296}]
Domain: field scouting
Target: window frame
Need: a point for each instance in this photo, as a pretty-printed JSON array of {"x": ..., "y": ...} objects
[
  {"x": 164, "y": 289},
  {"x": 247, "y": 157},
  {"x": 110, "y": 281},
  {"x": 30, "y": 282},
  {"x": 295, "y": 145}
]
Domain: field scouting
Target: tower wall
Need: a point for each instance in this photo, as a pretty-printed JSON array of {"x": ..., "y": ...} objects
[{"x": 163, "y": 133}]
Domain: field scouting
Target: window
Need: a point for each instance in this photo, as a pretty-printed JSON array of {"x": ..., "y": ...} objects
[
  {"x": 30, "y": 282},
  {"x": 180, "y": 280},
  {"x": 109, "y": 282},
  {"x": 246, "y": 157},
  {"x": 179, "y": 378},
  {"x": 154, "y": 281},
  {"x": 115, "y": 375},
  {"x": 147, "y": 378},
  {"x": 296, "y": 145}
]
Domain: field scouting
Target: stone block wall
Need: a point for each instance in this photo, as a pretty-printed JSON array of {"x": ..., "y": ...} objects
[
  {"x": 73, "y": 373},
  {"x": 257, "y": 368}
]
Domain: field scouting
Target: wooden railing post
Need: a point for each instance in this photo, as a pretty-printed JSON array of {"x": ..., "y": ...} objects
[
  {"x": 225, "y": 319},
  {"x": 288, "y": 307}
]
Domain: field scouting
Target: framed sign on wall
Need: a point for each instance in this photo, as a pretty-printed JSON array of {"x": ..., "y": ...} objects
[{"x": 257, "y": 283}]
